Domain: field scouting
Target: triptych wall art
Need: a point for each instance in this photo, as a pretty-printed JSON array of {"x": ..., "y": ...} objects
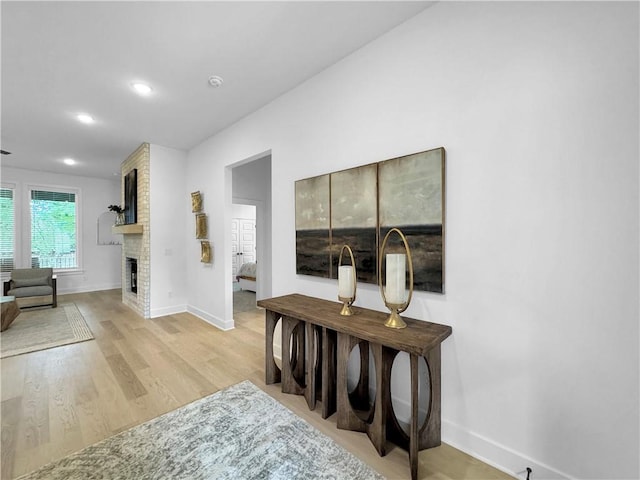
[
  {"x": 201, "y": 227},
  {"x": 360, "y": 205}
]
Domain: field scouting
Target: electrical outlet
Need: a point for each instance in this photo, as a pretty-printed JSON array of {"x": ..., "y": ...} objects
[{"x": 526, "y": 474}]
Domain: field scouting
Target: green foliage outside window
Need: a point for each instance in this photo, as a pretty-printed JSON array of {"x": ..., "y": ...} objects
[{"x": 53, "y": 229}]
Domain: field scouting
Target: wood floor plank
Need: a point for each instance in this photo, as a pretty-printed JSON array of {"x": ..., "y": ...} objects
[
  {"x": 131, "y": 355},
  {"x": 125, "y": 377},
  {"x": 185, "y": 369},
  {"x": 167, "y": 324},
  {"x": 112, "y": 330},
  {"x": 11, "y": 415},
  {"x": 12, "y": 380},
  {"x": 35, "y": 404}
]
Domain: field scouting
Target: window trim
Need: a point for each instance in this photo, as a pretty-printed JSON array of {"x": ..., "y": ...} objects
[
  {"x": 16, "y": 226},
  {"x": 26, "y": 256}
]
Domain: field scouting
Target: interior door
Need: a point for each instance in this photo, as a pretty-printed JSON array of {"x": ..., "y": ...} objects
[
  {"x": 247, "y": 240},
  {"x": 243, "y": 243}
]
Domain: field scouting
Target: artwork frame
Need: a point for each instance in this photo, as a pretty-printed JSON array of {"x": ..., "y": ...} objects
[
  {"x": 205, "y": 251},
  {"x": 409, "y": 195},
  {"x": 354, "y": 219},
  {"x": 196, "y": 202},
  {"x": 131, "y": 197},
  {"x": 313, "y": 226},
  {"x": 201, "y": 225}
]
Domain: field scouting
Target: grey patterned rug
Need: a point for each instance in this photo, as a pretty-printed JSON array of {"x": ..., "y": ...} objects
[
  {"x": 236, "y": 433},
  {"x": 40, "y": 329}
]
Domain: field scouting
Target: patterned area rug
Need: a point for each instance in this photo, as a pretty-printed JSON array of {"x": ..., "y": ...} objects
[
  {"x": 35, "y": 330},
  {"x": 236, "y": 433}
]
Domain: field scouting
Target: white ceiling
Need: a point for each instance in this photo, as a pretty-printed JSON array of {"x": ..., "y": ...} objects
[{"x": 62, "y": 58}]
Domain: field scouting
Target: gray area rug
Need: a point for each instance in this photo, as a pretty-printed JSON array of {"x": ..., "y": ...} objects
[
  {"x": 244, "y": 301},
  {"x": 35, "y": 330},
  {"x": 236, "y": 433}
]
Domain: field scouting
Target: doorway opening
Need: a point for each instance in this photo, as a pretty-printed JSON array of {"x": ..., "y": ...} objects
[
  {"x": 243, "y": 257},
  {"x": 250, "y": 233}
]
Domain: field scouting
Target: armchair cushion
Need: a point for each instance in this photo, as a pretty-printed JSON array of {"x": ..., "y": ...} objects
[
  {"x": 34, "y": 291},
  {"x": 30, "y": 282}
]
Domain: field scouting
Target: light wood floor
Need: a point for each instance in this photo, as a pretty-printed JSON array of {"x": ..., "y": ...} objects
[{"x": 57, "y": 401}]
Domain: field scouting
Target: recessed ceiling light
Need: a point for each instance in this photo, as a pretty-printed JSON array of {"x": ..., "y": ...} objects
[
  {"x": 69, "y": 161},
  {"x": 84, "y": 118},
  {"x": 215, "y": 81},
  {"x": 142, "y": 88}
]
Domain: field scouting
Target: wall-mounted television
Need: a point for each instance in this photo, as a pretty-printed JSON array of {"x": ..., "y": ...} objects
[{"x": 131, "y": 197}]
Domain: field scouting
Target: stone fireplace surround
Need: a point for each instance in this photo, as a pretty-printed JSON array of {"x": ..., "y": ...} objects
[{"x": 137, "y": 246}]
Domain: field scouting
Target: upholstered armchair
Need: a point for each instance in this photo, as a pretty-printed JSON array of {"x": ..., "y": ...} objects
[{"x": 32, "y": 287}]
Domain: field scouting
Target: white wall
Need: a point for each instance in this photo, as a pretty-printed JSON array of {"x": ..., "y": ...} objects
[
  {"x": 247, "y": 212},
  {"x": 100, "y": 263},
  {"x": 172, "y": 224},
  {"x": 537, "y": 107}
]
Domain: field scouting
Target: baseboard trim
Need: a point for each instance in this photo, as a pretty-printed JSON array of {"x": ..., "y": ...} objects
[
  {"x": 161, "y": 312},
  {"x": 211, "y": 319},
  {"x": 498, "y": 456}
]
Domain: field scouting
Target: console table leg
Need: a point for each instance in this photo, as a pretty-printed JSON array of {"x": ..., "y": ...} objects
[
  {"x": 377, "y": 430},
  {"x": 312, "y": 365},
  {"x": 272, "y": 373},
  {"x": 347, "y": 419},
  {"x": 292, "y": 355},
  {"x": 431, "y": 434},
  {"x": 413, "y": 435},
  {"x": 328, "y": 372}
]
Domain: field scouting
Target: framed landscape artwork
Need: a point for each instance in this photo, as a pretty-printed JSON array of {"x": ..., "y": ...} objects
[
  {"x": 358, "y": 206},
  {"x": 411, "y": 195},
  {"x": 313, "y": 253},
  {"x": 354, "y": 219}
]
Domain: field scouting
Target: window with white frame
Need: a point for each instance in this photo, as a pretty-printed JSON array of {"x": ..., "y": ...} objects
[
  {"x": 54, "y": 228},
  {"x": 7, "y": 229}
]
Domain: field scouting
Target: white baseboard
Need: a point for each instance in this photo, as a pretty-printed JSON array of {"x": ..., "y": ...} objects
[
  {"x": 499, "y": 456},
  {"x": 212, "y": 319},
  {"x": 161, "y": 312}
]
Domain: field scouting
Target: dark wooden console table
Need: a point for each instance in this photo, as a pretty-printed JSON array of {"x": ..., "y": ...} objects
[{"x": 316, "y": 344}]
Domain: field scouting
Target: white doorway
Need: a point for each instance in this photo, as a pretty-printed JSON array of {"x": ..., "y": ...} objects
[{"x": 251, "y": 185}]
